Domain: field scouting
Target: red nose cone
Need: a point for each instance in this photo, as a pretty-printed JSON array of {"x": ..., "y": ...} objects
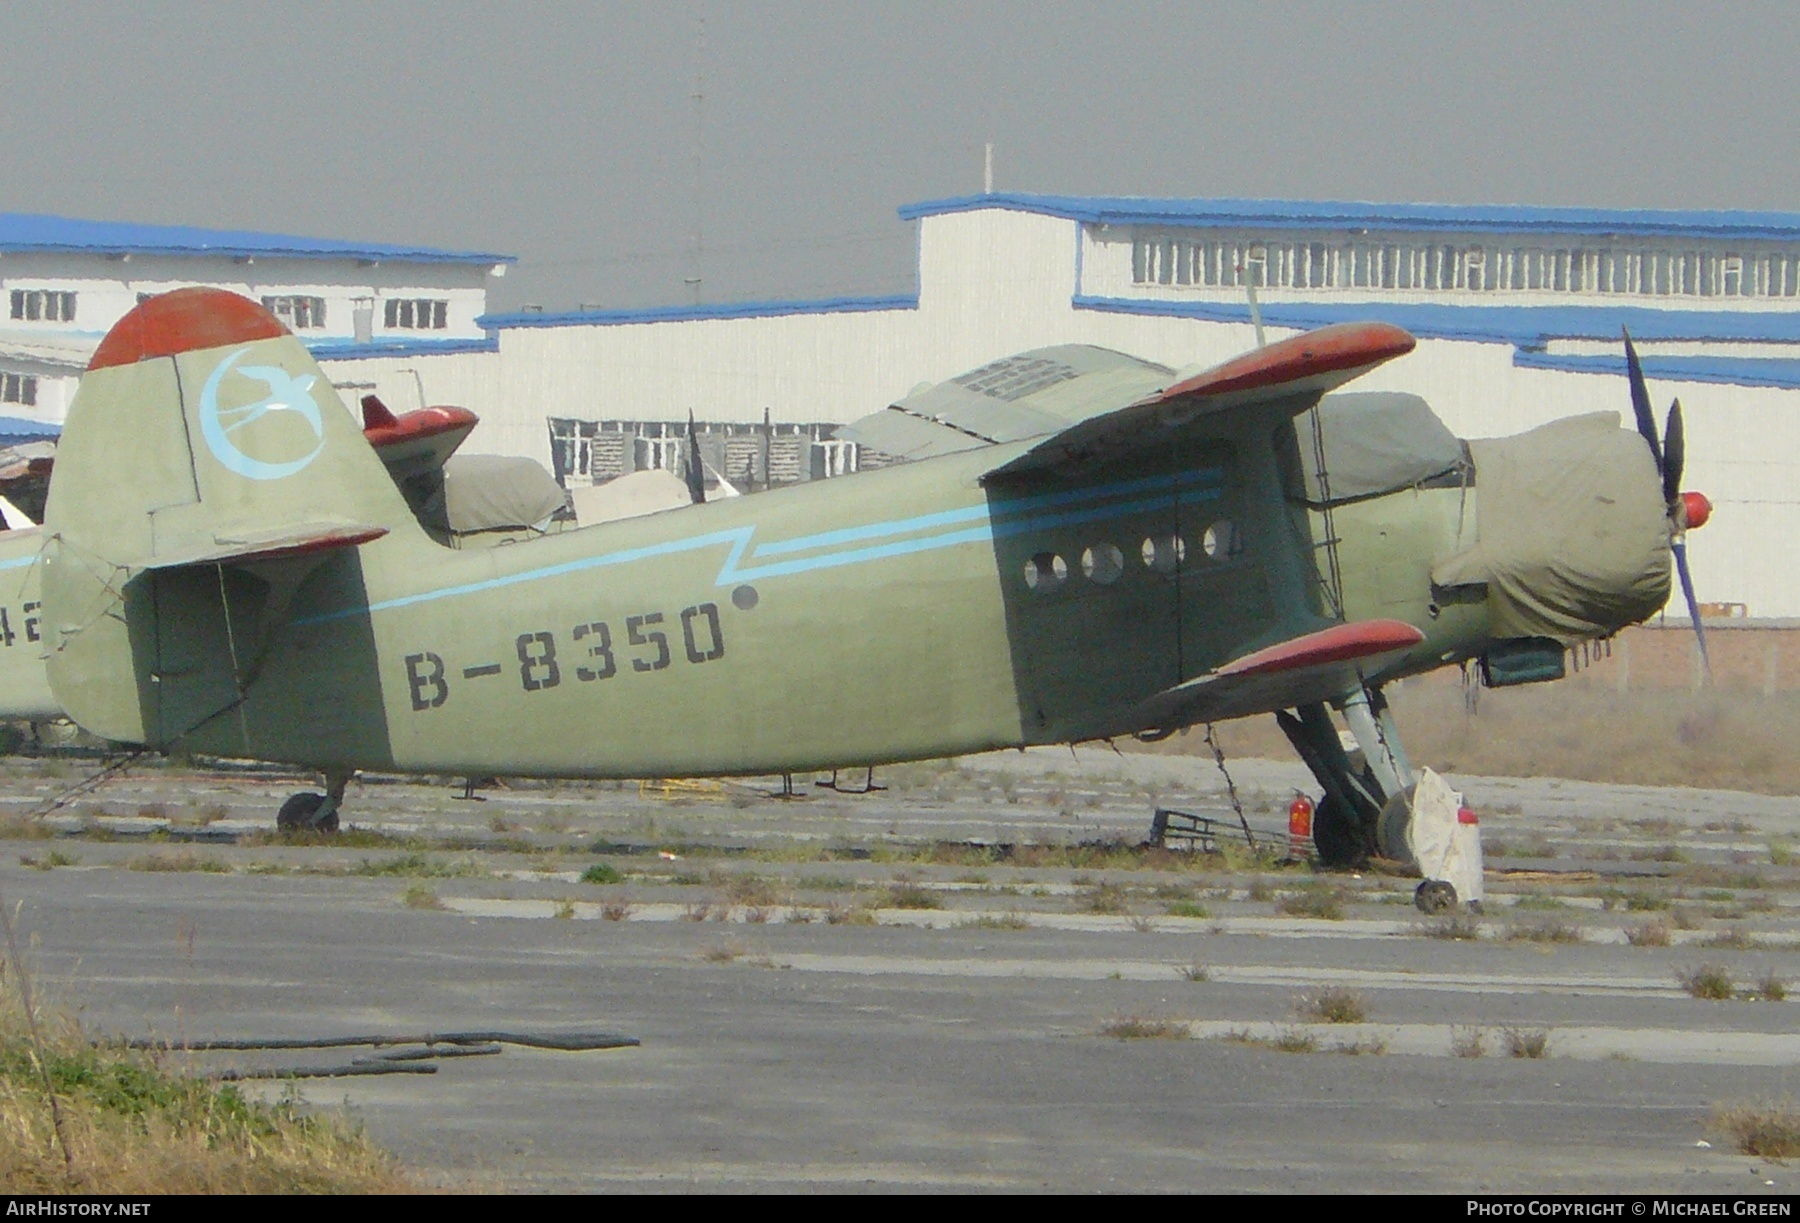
[{"x": 1696, "y": 509}]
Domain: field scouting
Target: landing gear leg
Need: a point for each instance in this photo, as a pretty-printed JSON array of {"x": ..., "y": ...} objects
[
  {"x": 1344, "y": 824},
  {"x": 310, "y": 811}
]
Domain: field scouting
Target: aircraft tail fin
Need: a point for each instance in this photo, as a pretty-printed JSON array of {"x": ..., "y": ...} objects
[{"x": 204, "y": 436}]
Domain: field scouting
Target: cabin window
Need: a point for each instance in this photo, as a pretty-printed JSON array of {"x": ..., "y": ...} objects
[
  {"x": 1046, "y": 572},
  {"x": 1102, "y": 564}
]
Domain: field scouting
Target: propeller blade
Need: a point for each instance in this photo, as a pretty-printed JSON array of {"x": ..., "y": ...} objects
[
  {"x": 1640, "y": 402},
  {"x": 1687, "y": 588},
  {"x": 1674, "y": 455}
]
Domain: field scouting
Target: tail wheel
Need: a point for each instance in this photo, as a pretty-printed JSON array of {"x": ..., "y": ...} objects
[
  {"x": 299, "y": 814},
  {"x": 1435, "y": 896}
]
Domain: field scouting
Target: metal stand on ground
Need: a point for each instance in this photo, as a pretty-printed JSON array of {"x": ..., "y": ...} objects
[{"x": 868, "y": 786}]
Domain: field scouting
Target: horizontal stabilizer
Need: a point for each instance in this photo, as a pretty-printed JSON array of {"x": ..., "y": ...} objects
[
  {"x": 1297, "y": 370},
  {"x": 301, "y": 539},
  {"x": 1316, "y": 667},
  {"x": 415, "y": 442}
]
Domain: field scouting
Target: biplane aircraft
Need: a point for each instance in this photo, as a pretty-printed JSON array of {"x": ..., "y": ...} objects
[{"x": 1085, "y": 545}]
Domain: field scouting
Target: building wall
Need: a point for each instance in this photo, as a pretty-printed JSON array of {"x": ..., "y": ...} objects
[{"x": 993, "y": 282}]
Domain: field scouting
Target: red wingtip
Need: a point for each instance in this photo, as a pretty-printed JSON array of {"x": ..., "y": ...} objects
[
  {"x": 1340, "y": 643},
  {"x": 182, "y": 321},
  {"x": 425, "y": 422},
  {"x": 1340, "y": 346}
]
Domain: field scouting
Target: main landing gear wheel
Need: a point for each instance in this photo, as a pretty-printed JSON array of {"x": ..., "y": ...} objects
[
  {"x": 1336, "y": 835},
  {"x": 1435, "y": 896},
  {"x": 300, "y": 814}
]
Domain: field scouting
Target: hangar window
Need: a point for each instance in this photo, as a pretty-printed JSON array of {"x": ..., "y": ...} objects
[
  {"x": 298, "y": 312},
  {"x": 18, "y": 388},
  {"x": 416, "y": 314},
  {"x": 45, "y": 305}
]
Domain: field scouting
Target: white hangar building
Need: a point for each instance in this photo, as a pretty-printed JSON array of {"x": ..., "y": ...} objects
[
  {"x": 1517, "y": 310},
  {"x": 65, "y": 282}
]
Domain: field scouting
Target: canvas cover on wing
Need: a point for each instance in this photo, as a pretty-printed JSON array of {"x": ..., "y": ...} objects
[
  {"x": 1376, "y": 442},
  {"x": 1030, "y": 394},
  {"x": 1567, "y": 549}
]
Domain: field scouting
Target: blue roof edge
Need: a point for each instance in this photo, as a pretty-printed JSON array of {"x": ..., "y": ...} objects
[
  {"x": 1348, "y": 214},
  {"x": 1524, "y": 326},
  {"x": 23, "y": 233},
  {"x": 339, "y": 350},
  {"x": 16, "y": 427},
  {"x": 1547, "y": 323},
  {"x": 684, "y": 314}
]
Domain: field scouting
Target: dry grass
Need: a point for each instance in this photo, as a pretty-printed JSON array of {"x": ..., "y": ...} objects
[
  {"x": 186, "y": 860},
  {"x": 1729, "y": 738},
  {"x": 1526, "y": 1042},
  {"x": 909, "y": 896},
  {"x": 1769, "y": 1130},
  {"x": 1319, "y": 901},
  {"x": 1103, "y": 898},
  {"x": 1709, "y": 981},
  {"x": 1140, "y": 1027},
  {"x": 1548, "y": 931},
  {"x": 617, "y": 910},
  {"x": 1460, "y": 929},
  {"x": 1333, "y": 1005},
  {"x": 1288, "y": 1040},
  {"x": 132, "y": 1127},
  {"x": 1648, "y": 934},
  {"x": 1468, "y": 1042},
  {"x": 419, "y": 896},
  {"x": 995, "y": 921},
  {"x": 1188, "y": 908},
  {"x": 1195, "y": 972}
]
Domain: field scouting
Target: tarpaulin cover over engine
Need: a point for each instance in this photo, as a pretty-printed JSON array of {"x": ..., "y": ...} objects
[{"x": 1566, "y": 549}]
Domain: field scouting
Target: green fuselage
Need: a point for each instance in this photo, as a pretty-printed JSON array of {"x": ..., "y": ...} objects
[{"x": 902, "y": 614}]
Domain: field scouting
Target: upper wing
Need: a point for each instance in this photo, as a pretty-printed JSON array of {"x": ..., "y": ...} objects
[{"x": 1298, "y": 370}]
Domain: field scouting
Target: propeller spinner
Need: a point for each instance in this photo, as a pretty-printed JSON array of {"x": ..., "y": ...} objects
[{"x": 1686, "y": 510}]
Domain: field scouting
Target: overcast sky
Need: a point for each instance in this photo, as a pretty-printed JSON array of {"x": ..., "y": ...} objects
[{"x": 567, "y": 134}]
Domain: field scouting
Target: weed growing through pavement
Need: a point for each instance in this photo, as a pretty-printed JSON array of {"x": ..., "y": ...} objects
[
  {"x": 602, "y": 873},
  {"x": 1333, "y": 1005},
  {"x": 1319, "y": 901},
  {"x": 420, "y": 896},
  {"x": 1769, "y": 1130},
  {"x": 1468, "y": 1042},
  {"x": 1526, "y": 1042},
  {"x": 617, "y": 910},
  {"x": 1188, "y": 908},
  {"x": 1461, "y": 928},
  {"x": 1548, "y": 931},
  {"x": 1140, "y": 1027},
  {"x": 1654, "y": 933},
  {"x": 995, "y": 921},
  {"x": 1709, "y": 981},
  {"x": 1195, "y": 972},
  {"x": 910, "y": 896}
]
